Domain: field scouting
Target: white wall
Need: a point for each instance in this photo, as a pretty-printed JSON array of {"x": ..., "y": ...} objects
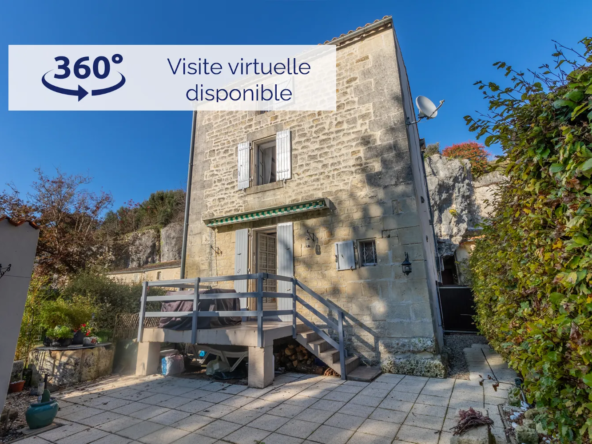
[{"x": 17, "y": 247}]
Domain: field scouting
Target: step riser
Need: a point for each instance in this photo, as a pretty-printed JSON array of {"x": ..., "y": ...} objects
[{"x": 329, "y": 357}]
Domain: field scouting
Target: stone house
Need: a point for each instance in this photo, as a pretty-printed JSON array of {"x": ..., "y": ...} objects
[{"x": 336, "y": 199}]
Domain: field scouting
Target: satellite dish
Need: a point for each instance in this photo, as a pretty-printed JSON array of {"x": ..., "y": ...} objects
[{"x": 427, "y": 109}]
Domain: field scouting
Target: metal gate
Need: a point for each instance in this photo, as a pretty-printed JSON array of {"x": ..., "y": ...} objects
[{"x": 458, "y": 309}]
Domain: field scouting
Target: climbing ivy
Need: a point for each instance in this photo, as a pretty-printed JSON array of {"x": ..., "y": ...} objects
[{"x": 532, "y": 267}]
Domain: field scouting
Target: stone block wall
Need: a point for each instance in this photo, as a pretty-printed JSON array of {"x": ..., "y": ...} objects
[{"x": 358, "y": 157}]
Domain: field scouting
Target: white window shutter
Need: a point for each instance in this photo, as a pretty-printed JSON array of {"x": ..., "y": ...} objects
[
  {"x": 244, "y": 165},
  {"x": 285, "y": 265},
  {"x": 344, "y": 254},
  {"x": 283, "y": 144},
  {"x": 241, "y": 262}
]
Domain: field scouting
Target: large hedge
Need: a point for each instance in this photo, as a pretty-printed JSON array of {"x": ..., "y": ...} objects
[{"x": 532, "y": 268}]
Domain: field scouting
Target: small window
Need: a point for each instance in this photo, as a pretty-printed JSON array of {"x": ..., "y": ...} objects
[
  {"x": 265, "y": 162},
  {"x": 367, "y": 249}
]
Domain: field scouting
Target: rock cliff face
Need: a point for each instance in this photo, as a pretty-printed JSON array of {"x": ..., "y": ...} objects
[
  {"x": 459, "y": 203},
  {"x": 148, "y": 246},
  {"x": 452, "y": 198},
  {"x": 171, "y": 240}
]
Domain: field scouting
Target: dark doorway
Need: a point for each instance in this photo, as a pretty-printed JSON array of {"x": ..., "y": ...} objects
[{"x": 458, "y": 308}]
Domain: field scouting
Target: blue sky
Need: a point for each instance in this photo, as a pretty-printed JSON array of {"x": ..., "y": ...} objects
[{"x": 447, "y": 46}]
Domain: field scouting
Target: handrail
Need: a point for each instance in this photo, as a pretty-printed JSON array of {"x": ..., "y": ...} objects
[{"x": 259, "y": 313}]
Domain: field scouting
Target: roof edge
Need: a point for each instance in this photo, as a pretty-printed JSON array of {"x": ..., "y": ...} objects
[
  {"x": 18, "y": 223},
  {"x": 387, "y": 19}
]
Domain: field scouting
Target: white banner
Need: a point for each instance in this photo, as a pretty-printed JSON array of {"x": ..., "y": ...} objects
[{"x": 171, "y": 78}]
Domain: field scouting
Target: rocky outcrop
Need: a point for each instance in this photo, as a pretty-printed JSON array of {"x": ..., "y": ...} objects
[
  {"x": 144, "y": 248},
  {"x": 452, "y": 198},
  {"x": 171, "y": 242},
  {"x": 459, "y": 203}
]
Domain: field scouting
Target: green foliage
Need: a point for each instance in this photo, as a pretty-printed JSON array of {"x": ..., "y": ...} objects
[
  {"x": 532, "y": 268},
  {"x": 109, "y": 297},
  {"x": 160, "y": 209},
  {"x": 431, "y": 149},
  {"x": 69, "y": 312},
  {"x": 60, "y": 332}
]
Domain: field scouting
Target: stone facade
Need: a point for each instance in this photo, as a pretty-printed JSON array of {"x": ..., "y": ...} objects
[{"x": 359, "y": 157}]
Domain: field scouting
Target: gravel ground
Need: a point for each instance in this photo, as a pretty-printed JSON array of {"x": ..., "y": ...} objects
[{"x": 454, "y": 346}]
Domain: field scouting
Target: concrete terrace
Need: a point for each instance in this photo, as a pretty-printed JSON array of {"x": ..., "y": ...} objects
[{"x": 296, "y": 409}]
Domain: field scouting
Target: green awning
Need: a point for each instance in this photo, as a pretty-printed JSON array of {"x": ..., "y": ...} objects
[{"x": 301, "y": 207}]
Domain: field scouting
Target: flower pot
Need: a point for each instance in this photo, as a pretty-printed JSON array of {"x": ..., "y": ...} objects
[
  {"x": 64, "y": 342},
  {"x": 41, "y": 414},
  {"x": 16, "y": 387},
  {"x": 78, "y": 338},
  {"x": 89, "y": 340}
]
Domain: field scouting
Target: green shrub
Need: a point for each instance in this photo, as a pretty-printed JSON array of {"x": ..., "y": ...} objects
[
  {"x": 532, "y": 268},
  {"x": 69, "y": 312},
  {"x": 109, "y": 297},
  {"x": 60, "y": 332}
]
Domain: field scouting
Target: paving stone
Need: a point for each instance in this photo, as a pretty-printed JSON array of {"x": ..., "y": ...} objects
[
  {"x": 214, "y": 386},
  {"x": 368, "y": 401},
  {"x": 269, "y": 422},
  {"x": 62, "y": 432},
  {"x": 298, "y": 428},
  {"x": 149, "y": 412},
  {"x": 402, "y": 396},
  {"x": 247, "y": 435},
  {"x": 237, "y": 401},
  {"x": 107, "y": 403},
  {"x": 193, "y": 422},
  {"x": 388, "y": 415},
  {"x": 303, "y": 401},
  {"x": 166, "y": 435},
  {"x": 122, "y": 422},
  {"x": 375, "y": 393},
  {"x": 215, "y": 397},
  {"x": 130, "y": 408},
  {"x": 287, "y": 410},
  {"x": 83, "y": 437},
  {"x": 380, "y": 428},
  {"x": 243, "y": 416},
  {"x": 33, "y": 440},
  {"x": 113, "y": 439},
  {"x": 256, "y": 393},
  {"x": 417, "y": 435},
  {"x": 276, "y": 438},
  {"x": 233, "y": 389},
  {"x": 330, "y": 435},
  {"x": 314, "y": 415},
  {"x": 393, "y": 404},
  {"x": 196, "y": 438},
  {"x": 342, "y": 421},
  {"x": 195, "y": 406},
  {"x": 390, "y": 377},
  {"x": 339, "y": 396},
  {"x": 363, "y": 438},
  {"x": 349, "y": 389},
  {"x": 217, "y": 411},
  {"x": 96, "y": 420},
  {"x": 194, "y": 394},
  {"x": 174, "y": 402},
  {"x": 81, "y": 412},
  {"x": 170, "y": 417},
  {"x": 432, "y": 400},
  {"x": 218, "y": 429},
  {"x": 356, "y": 410},
  {"x": 424, "y": 421},
  {"x": 430, "y": 410},
  {"x": 157, "y": 399},
  {"x": 330, "y": 406},
  {"x": 140, "y": 429},
  {"x": 261, "y": 405}
]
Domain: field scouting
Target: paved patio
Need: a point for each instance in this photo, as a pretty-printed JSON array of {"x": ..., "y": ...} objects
[{"x": 296, "y": 409}]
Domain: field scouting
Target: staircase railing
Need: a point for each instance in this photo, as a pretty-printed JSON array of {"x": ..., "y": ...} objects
[{"x": 259, "y": 313}]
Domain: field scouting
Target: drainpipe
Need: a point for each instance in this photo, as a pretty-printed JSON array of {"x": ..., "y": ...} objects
[{"x": 188, "y": 196}]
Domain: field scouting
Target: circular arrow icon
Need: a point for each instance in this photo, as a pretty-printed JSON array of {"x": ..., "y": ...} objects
[{"x": 81, "y": 92}]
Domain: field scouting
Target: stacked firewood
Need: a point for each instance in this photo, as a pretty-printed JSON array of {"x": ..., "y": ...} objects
[{"x": 294, "y": 357}]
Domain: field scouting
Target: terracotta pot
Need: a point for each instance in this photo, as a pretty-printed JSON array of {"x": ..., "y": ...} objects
[{"x": 16, "y": 387}]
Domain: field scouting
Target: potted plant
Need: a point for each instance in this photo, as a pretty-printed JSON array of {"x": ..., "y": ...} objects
[
  {"x": 80, "y": 334},
  {"x": 61, "y": 335},
  {"x": 17, "y": 383}
]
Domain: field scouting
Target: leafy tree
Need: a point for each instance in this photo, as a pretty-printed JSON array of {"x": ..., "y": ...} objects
[
  {"x": 532, "y": 275},
  {"x": 473, "y": 151},
  {"x": 431, "y": 149},
  {"x": 160, "y": 209},
  {"x": 68, "y": 215}
]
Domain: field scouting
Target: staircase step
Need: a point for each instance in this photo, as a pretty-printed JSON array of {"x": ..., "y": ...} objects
[
  {"x": 364, "y": 374},
  {"x": 310, "y": 336},
  {"x": 321, "y": 345},
  {"x": 351, "y": 364},
  {"x": 330, "y": 356}
]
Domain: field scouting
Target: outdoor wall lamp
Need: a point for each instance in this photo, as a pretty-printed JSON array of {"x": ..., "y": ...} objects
[
  {"x": 406, "y": 265},
  {"x": 310, "y": 238},
  {"x": 5, "y": 270}
]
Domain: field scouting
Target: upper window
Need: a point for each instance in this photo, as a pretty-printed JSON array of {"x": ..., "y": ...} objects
[
  {"x": 265, "y": 162},
  {"x": 270, "y": 162},
  {"x": 367, "y": 249}
]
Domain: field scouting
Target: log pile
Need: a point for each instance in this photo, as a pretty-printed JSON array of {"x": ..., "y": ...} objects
[{"x": 294, "y": 357}]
